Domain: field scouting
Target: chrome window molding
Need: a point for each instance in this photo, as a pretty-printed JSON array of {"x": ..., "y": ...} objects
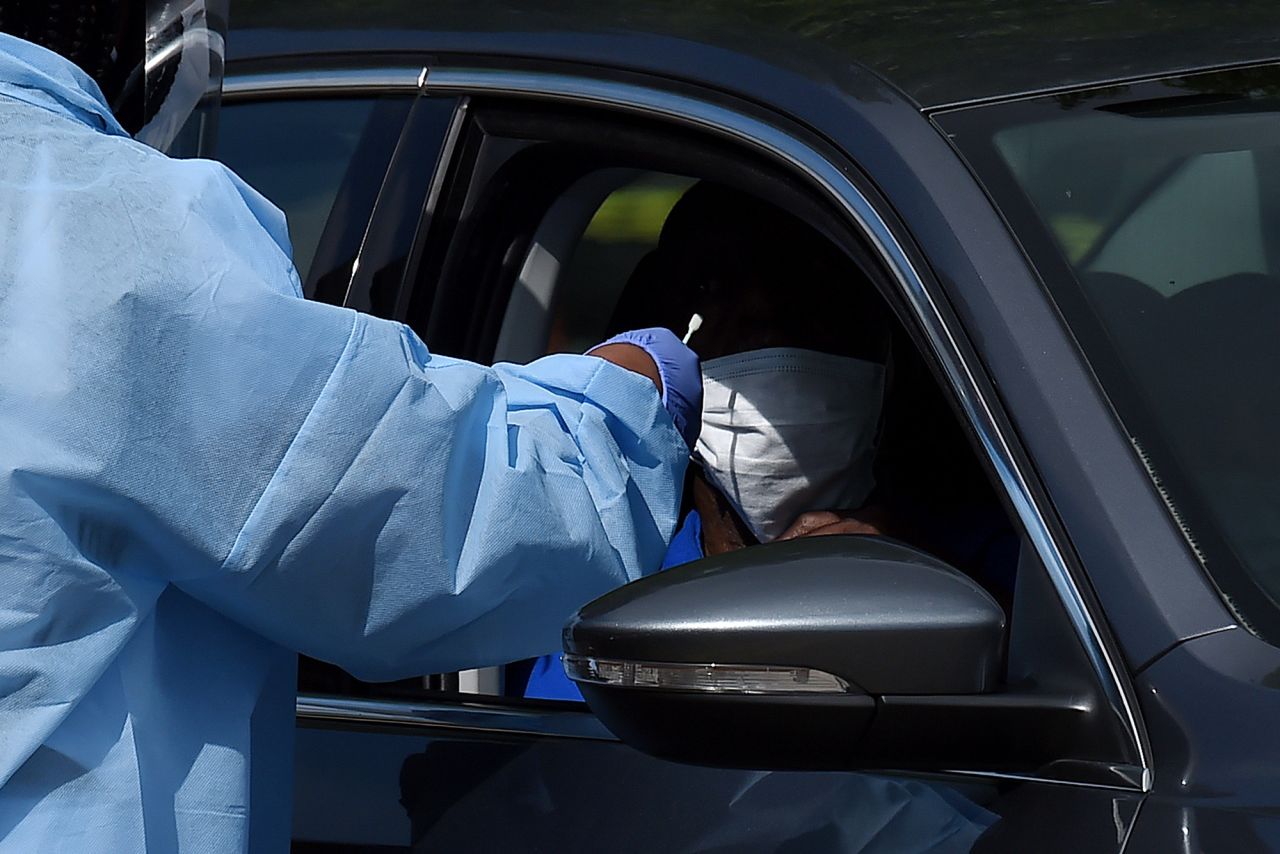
[
  {"x": 837, "y": 186},
  {"x": 343, "y": 81},
  {"x": 454, "y": 716}
]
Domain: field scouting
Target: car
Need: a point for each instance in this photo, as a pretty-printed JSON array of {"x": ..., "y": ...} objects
[{"x": 1073, "y": 212}]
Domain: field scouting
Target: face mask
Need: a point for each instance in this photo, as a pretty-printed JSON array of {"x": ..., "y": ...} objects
[{"x": 786, "y": 430}]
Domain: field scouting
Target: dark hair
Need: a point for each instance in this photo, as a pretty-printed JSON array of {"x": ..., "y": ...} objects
[
  {"x": 87, "y": 32},
  {"x": 774, "y": 279}
]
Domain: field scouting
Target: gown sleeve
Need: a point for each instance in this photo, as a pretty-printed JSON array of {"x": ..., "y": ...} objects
[
  {"x": 429, "y": 513},
  {"x": 316, "y": 474},
  {"x": 432, "y": 514}
]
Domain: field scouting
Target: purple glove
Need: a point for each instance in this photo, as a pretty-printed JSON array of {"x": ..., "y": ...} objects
[{"x": 679, "y": 371}]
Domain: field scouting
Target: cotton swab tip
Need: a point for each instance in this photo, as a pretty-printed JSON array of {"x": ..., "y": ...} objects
[{"x": 695, "y": 323}]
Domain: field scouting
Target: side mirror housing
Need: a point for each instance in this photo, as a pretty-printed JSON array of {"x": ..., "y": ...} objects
[{"x": 831, "y": 652}]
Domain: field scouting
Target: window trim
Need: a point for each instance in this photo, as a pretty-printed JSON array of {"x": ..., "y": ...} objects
[
  {"x": 451, "y": 715},
  {"x": 842, "y": 190},
  {"x": 332, "y": 82}
]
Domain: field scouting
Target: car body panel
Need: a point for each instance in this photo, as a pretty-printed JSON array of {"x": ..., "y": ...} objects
[
  {"x": 935, "y": 53},
  {"x": 449, "y": 790},
  {"x": 825, "y": 77},
  {"x": 1210, "y": 705}
]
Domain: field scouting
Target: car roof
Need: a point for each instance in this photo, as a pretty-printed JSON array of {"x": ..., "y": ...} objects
[{"x": 937, "y": 53}]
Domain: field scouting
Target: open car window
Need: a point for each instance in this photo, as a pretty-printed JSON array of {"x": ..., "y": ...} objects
[{"x": 591, "y": 268}]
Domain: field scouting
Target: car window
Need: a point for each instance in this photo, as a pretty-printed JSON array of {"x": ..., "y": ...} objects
[
  {"x": 1162, "y": 205},
  {"x": 593, "y": 269},
  {"x": 1168, "y": 218},
  {"x": 660, "y": 248},
  {"x": 297, "y": 153},
  {"x": 1159, "y": 244}
]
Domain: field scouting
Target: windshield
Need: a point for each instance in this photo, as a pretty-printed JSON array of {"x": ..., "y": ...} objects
[{"x": 1152, "y": 212}]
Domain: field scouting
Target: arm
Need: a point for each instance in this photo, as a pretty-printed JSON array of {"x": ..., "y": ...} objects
[
  {"x": 432, "y": 514},
  {"x": 316, "y": 474},
  {"x": 632, "y": 358}
]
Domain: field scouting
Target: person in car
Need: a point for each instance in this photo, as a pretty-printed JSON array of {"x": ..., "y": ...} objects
[
  {"x": 794, "y": 343},
  {"x": 819, "y": 415}
]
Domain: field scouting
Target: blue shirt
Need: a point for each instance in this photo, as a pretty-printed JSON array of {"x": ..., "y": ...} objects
[
  {"x": 548, "y": 680},
  {"x": 201, "y": 473}
]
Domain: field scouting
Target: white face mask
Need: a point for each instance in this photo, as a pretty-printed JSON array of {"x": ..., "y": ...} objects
[{"x": 786, "y": 430}]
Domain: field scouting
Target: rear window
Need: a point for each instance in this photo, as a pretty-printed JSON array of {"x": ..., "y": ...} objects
[{"x": 1152, "y": 212}]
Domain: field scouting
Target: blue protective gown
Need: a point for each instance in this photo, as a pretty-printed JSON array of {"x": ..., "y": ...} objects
[{"x": 201, "y": 473}]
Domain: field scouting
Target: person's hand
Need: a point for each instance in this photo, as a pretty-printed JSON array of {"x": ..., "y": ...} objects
[
  {"x": 822, "y": 523},
  {"x": 678, "y": 374}
]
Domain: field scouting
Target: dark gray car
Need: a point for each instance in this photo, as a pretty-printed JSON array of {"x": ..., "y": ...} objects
[{"x": 1073, "y": 212}]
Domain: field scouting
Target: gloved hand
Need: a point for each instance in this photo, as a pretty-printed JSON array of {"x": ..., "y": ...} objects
[{"x": 679, "y": 371}]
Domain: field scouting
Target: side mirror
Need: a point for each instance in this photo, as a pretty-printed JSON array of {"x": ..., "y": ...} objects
[{"x": 832, "y": 652}]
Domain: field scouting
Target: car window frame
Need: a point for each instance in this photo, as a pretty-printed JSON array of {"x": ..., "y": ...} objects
[{"x": 841, "y": 184}]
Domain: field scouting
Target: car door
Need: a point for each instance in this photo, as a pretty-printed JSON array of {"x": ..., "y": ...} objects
[
  {"x": 446, "y": 234},
  {"x": 1158, "y": 243}
]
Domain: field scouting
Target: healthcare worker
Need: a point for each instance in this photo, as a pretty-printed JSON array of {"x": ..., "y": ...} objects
[{"x": 202, "y": 474}]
